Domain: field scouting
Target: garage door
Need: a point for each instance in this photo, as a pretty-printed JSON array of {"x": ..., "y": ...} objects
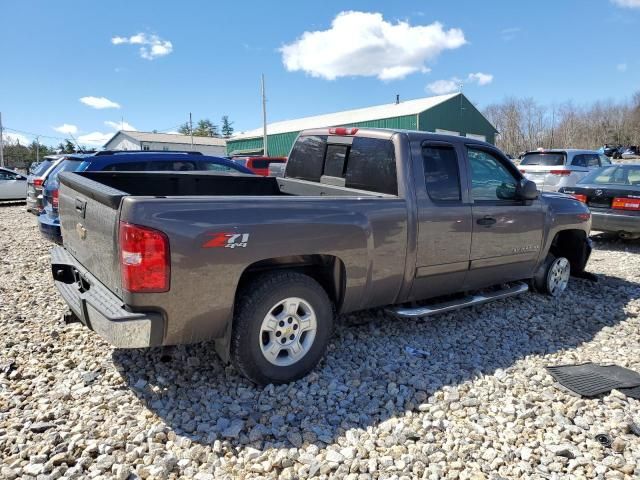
[{"x": 477, "y": 137}]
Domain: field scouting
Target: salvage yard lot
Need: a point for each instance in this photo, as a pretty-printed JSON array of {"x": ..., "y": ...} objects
[{"x": 481, "y": 405}]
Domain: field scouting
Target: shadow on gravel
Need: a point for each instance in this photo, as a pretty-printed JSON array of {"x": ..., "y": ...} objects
[
  {"x": 610, "y": 242},
  {"x": 355, "y": 387},
  {"x": 12, "y": 203}
]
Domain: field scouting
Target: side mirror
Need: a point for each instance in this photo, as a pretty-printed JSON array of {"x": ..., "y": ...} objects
[{"x": 527, "y": 190}]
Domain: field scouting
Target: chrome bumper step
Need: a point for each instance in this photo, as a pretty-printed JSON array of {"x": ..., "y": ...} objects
[{"x": 428, "y": 310}]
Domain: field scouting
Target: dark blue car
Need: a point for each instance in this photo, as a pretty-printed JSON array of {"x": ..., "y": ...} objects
[{"x": 135, "y": 161}]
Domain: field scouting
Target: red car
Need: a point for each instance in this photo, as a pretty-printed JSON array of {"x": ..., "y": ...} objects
[{"x": 259, "y": 165}]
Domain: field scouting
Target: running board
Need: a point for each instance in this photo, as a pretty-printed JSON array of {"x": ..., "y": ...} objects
[{"x": 428, "y": 310}]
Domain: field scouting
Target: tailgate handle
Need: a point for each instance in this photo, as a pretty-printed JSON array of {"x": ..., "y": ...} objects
[{"x": 81, "y": 206}]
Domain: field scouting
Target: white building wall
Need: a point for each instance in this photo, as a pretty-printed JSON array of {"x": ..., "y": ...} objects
[
  {"x": 206, "y": 149},
  {"x": 122, "y": 142}
]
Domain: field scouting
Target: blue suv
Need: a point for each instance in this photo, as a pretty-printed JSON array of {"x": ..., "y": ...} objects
[{"x": 135, "y": 161}]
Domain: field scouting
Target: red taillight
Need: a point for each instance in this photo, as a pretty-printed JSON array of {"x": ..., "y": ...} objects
[
  {"x": 562, "y": 173},
  {"x": 343, "y": 131},
  {"x": 54, "y": 198},
  {"x": 523, "y": 171},
  {"x": 580, "y": 197},
  {"x": 38, "y": 182},
  {"x": 625, "y": 203},
  {"x": 144, "y": 259}
]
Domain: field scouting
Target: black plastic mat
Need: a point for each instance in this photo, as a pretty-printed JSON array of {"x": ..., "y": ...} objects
[
  {"x": 590, "y": 379},
  {"x": 631, "y": 392}
]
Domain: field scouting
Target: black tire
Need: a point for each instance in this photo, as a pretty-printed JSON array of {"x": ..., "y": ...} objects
[
  {"x": 542, "y": 281},
  {"x": 252, "y": 306}
]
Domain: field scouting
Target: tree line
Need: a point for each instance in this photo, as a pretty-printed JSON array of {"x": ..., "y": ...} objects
[
  {"x": 524, "y": 124},
  {"x": 206, "y": 128}
]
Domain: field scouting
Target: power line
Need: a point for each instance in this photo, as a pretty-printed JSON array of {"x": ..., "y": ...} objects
[{"x": 15, "y": 130}]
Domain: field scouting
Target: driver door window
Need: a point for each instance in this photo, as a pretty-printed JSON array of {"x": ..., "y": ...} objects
[{"x": 491, "y": 181}]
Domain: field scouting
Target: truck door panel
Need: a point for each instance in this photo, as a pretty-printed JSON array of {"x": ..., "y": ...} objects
[
  {"x": 507, "y": 232},
  {"x": 444, "y": 220}
]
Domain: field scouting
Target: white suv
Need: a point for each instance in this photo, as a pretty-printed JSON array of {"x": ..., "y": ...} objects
[{"x": 553, "y": 169}]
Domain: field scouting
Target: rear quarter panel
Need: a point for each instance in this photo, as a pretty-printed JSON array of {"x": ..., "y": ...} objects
[{"x": 368, "y": 235}]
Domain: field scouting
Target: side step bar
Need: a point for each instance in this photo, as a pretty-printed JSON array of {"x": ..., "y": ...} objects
[{"x": 428, "y": 310}]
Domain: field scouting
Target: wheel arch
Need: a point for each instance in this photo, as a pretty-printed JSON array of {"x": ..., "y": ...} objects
[
  {"x": 572, "y": 244},
  {"x": 328, "y": 270}
]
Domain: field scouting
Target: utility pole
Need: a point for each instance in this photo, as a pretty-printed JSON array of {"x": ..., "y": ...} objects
[
  {"x": 264, "y": 121},
  {"x": 191, "y": 129},
  {"x": 37, "y": 149},
  {"x": 1, "y": 144}
]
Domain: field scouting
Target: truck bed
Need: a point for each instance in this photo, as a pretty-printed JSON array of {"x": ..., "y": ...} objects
[{"x": 110, "y": 187}]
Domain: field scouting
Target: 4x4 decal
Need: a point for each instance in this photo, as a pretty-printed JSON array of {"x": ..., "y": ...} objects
[{"x": 226, "y": 240}]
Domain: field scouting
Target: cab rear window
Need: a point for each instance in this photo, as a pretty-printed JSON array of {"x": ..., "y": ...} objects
[{"x": 367, "y": 164}]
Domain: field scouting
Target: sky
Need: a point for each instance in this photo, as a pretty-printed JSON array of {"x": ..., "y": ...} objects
[{"x": 89, "y": 68}]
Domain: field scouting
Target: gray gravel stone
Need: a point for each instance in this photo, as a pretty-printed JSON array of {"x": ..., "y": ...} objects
[{"x": 480, "y": 406}]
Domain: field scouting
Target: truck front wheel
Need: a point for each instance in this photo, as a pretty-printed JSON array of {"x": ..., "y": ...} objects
[
  {"x": 282, "y": 326},
  {"x": 553, "y": 276}
]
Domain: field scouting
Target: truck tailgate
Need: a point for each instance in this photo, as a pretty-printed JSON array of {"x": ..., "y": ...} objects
[{"x": 89, "y": 218}]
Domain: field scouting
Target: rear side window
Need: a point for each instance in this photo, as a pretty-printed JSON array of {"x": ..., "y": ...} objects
[
  {"x": 586, "y": 160},
  {"x": 372, "y": 166},
  {"x": 544, "y": 159},
  {"x": 441, "y": 174},
  {"x": 307, "y": 158},
  {"x": 126, "y": 167},
  {"x": 604, "y": 160},
  {"x": 64, "y": 166},
  {"x": 42, "y": 168},
  {"x": 172, "y": 166},
  {"x": 216, "y": 167}
]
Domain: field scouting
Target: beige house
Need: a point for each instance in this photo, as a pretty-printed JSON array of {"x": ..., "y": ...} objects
[{"x": 134, "y": 140}]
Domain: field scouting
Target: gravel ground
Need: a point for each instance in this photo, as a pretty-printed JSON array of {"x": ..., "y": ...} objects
[{"x": 480, "y": 405}]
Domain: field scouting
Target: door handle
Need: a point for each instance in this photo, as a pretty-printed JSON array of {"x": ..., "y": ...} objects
[{"x": 486, "y": 221}]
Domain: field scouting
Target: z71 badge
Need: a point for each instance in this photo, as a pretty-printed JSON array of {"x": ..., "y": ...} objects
[{"x": 226, "y": 240}]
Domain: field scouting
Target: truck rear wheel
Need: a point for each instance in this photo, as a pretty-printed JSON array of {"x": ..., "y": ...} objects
[
  {"x": 282, "y": 326},
  {"x": 553, "y": 276}
]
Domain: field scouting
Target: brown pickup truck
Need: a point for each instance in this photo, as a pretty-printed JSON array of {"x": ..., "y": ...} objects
[{"x": 362, "y": 218}]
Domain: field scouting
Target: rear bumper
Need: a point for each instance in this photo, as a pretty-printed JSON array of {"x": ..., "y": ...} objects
[
  {"x": 50, "y": 228},
  {"x": 34, "y": 203},
  {"x": 611, "y": 222},
  {"x": 99, "y": 309}
]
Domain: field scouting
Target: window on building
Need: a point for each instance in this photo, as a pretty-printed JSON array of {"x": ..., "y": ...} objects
[
  {"x": 165, "y": 149},
  {"x": 441, "y": 174}
]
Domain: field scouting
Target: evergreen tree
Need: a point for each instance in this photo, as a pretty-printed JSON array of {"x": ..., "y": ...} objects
[{"x": 227, "y": 128}]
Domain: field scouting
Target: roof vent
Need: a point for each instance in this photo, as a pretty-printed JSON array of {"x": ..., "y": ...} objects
[{"x": 397, "y": 99}]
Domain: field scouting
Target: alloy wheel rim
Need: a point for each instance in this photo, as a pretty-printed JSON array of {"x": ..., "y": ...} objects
[
  {"x": 558, "y": 278},
  {"x": 288, "y": 331}
]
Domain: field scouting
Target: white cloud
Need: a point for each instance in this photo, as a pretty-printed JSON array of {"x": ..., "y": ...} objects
[
  {"x": 120, "y": 126},
  {"x": 442, "y": 87},
  {"x": 622, "y": 67},
  {"x": 13, "y": 138},
  {"x": 152, "y": 45},
  {"x": 454, "y": 84},
  {"x": 364, "y": 44},
  {"x": 480, "y": 78},
  {"x": 66, "y": 129},
  {"x": 94, "y": 139},
  {"x": 627, "y": 3},
  {"x": 99, "y": 102}
]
